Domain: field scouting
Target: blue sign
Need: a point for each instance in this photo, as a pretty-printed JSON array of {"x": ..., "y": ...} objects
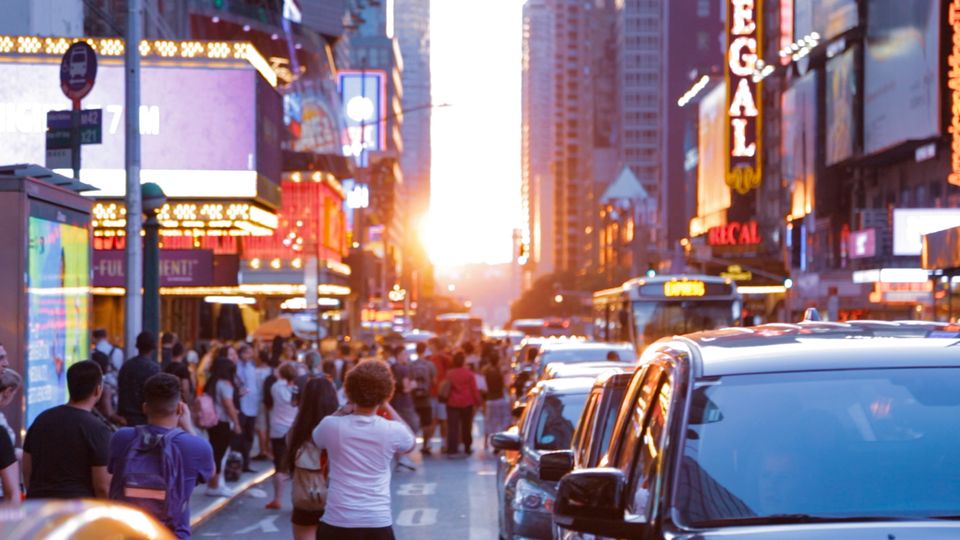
[
  {"x": 78, "y": 71},
  {"x": 62, "y": 119}
]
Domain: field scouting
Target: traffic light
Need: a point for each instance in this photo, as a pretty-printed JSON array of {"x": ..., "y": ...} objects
[{"x": 651, "y": 271}]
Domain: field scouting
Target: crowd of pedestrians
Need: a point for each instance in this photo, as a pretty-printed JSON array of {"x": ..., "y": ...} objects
[{"x": 148, "y": 430}]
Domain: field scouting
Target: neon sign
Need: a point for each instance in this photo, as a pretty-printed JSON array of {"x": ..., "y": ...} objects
[
  {"x": 676, "y": 288},
  {"x": 744, "y": 99},
  {"x": 953, "y": 83},
  {"x": 734, "y": 234}
]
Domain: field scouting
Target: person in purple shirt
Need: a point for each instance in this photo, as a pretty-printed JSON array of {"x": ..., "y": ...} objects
[{"x": 165, "y": 410}]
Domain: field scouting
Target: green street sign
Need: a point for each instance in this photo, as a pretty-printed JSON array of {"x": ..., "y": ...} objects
[{"x": 60, "y": 138}]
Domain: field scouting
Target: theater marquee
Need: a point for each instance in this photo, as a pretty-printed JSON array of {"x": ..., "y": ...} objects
[{"x": 744, "y": 99}]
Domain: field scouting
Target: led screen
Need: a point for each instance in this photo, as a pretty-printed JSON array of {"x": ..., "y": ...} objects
[
  {"x": 841, "y": 94},
  {"x": 363, "y": 94},
  {"x": 58, "y": 306}
]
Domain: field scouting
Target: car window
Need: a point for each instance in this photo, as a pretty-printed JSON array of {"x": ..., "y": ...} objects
[
  {"x": 558, "y": 418},
  {"x": 645, "y": 481},
  {"x": 871, "y": 442},
  {"x": 581, "y": 438},
  {"x": 600, "y": 444},
  {"x": 632, "y": 425}
]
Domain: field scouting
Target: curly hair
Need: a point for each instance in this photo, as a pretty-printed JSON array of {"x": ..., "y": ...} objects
[{"x": 369, "y": 383}]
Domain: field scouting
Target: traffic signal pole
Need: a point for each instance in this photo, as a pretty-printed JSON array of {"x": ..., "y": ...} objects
[{"x": 133, "y": 280}]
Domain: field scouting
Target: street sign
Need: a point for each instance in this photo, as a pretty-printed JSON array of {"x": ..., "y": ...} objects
[
  {"x": 78, "y": 71},
  {"x": 59, "y": 124},
  {"x": 62, "y": 119},
  {"x": 59, "y": 158},
  {"x": 61, "y": 138}
]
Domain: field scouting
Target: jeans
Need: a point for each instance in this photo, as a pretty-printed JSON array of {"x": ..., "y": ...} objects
[
  {"x": 244, "y": 441},
  {"x": 459, "y": 428},
  {"x": 220, "y": 436}
]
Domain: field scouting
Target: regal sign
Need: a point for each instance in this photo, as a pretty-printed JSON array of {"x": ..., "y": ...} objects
[
  {"x": 734, "y": 234},
  {"x": 744, "y": 98},
  {"x": 953, "y": 83}
]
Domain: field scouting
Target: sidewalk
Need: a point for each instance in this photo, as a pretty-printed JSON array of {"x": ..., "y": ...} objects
[{"x": 203, "y": 507}]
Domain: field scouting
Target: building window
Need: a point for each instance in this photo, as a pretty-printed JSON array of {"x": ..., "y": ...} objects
[{"x": 703, "y": 8}]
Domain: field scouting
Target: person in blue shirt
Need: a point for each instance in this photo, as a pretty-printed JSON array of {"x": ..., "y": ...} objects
[
  {"x": 250, "y": 402},
  {"x": 165, "y": 410}
]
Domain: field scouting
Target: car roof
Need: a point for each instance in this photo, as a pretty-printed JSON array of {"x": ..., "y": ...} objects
[
  {"x": 610, "y": 378},
  {"x": 573, "y": 385},
  {"x": 585, "y": 346},
  {"x": 818, "y": 346}
]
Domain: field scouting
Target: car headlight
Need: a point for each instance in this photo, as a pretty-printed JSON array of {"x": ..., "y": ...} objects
[{"x": 532, "y": 498}]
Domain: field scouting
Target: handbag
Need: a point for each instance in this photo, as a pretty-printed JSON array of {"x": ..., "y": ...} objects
[
  {"x": 443, "y": 393},
  {"x": 309, "y": 481}
]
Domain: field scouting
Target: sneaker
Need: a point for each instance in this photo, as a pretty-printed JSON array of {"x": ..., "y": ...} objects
[
  {"x": 222, "y": 491},
  {"x": 273, "y": 505},
  {"x": 406, "y": 463}
]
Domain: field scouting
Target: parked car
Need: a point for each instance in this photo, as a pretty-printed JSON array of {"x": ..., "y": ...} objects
[
  {"x": 583, "y": 352},
  {"x": 587, "y": 369},
  {"x": 810, "y": 430},
  {"x": 547, "y": 424}
]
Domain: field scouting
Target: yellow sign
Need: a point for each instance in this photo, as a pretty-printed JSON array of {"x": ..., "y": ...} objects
[
  {"x": 685, "y": 287},
  {"x": 737, "y": 273}
]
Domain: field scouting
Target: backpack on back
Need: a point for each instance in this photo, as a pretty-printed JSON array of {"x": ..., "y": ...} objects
[{"x": 150, "y": 476}]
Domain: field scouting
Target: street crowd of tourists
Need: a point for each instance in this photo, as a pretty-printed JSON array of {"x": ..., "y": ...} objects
[{"x": 147, "y": 430}]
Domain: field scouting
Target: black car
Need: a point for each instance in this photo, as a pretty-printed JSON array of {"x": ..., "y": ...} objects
[
  {"x": 810, "y": 430},
  {"x": 546, "y": 426}
]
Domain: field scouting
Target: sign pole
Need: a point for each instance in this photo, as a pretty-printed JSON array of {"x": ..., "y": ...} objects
[
  {"x": 133, "y": 303},
  {"x": 75, "y": 138}
]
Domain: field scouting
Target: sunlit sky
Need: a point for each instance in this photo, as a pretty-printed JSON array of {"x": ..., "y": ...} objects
[{"x": 475, "y": 62}]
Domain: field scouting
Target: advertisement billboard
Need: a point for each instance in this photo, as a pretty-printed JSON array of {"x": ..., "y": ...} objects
[
  {"x": 910, "y": 224},
  {"x": 58, "y": 304},
  {"x": 841, "y": 95},
  {"x": 829, "y": 18},
  {"x": 713, "y": 195},
  {"x": 901, "y": 73},
  {"x": 178, "y": 268},
  {"x": 192, "y": 119},
  {"x": 798, "y": 143},
  {"x": 364, "y": 96}
]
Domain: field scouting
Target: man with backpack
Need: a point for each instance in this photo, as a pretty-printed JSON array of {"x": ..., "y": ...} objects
[
  {"x": 423, "y": 374},
  {"x": 156, "y": 466}
]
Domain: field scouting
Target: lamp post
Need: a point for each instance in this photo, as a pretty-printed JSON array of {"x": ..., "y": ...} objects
[{"x": 153, "y": 201}]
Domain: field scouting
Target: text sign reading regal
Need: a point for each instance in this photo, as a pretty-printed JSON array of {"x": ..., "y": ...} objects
[{"x": 744, "y": 99}]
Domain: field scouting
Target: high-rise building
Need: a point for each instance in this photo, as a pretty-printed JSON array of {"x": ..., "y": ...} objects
[
  {"x": 412, "y": 26},
  {"x": 563, "y": 77}
]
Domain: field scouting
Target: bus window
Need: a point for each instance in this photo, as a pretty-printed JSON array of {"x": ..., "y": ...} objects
[{"x": 623, "y": 316}]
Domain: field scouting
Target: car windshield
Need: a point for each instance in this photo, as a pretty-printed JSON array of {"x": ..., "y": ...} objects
[
  {"x": 558, "y": 419},
  {"x": 860, "y": 443},
  {"x": 655, "y": 320}
]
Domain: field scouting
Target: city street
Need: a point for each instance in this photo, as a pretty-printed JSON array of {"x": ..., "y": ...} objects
[{"x": 442, "y": 499}]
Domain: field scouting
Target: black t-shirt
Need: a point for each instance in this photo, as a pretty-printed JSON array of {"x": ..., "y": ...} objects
[
  {"x": 7, "y": 455},
  {"x": 64, "y": 443},
  {"x": 133, "y": 375},
  {"x": 494, "y": 383},
  {"x": 180, "y": 370}
]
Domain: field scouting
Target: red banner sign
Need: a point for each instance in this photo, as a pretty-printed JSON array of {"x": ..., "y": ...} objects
[
  {"x": 734, "y": 234},
  {"x": 953, "y": 83},
  {"x": 744, "y": 97}
]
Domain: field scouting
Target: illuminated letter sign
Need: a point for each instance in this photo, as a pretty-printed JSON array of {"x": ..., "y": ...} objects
[
  {"x": 953, "y": 82},
  {"x": 734, "y": 234},
  {"x": 684, "y": 287},
  {"x": 744, "y": 99}
]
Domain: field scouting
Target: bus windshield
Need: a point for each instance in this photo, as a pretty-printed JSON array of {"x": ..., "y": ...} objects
[{"x": 655, "y": 320}]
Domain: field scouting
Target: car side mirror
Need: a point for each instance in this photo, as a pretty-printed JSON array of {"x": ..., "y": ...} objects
[
  {"x": 594, "y": 501},
  {"x": 506, "y": 440},
  {"x": 553, "y": 465}
]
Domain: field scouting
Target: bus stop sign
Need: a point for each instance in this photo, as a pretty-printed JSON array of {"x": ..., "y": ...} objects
[{"x": 78, "y": 71}]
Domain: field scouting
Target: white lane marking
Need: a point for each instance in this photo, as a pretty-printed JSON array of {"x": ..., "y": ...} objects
[
  {"x": 266, "y": 525},
  {"x": 417, "y": 517},
  {"x": 486, "y": 473},
  {"x": 428, "y": 488}
]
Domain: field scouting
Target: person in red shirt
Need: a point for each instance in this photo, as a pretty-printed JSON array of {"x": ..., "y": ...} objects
[
  {"x": 441, "y": 361},
  {"x": 462, "y": 400}
]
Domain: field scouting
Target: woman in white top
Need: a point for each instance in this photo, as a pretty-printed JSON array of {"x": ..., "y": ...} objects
[
  {"x": 282, "y": 415},
  {"x": 360, "y": 449}
]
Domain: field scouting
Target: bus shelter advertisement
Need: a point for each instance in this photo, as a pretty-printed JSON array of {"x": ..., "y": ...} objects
[{"x": 58, "y": 296}]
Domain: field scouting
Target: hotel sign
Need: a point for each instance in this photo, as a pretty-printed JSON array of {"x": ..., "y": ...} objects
[
  {"x": 953, "y": 83},
  {"x": 744, "y": 99}
]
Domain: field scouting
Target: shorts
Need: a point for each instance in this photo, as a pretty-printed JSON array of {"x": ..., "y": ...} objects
[
  {"x": 439, "y": 410},
  {"x": 330, "y": 532},
  {"x": 279, "y": 447},
  {"x": 305, "y": 518},
  {"x": 426, "y": 415}
]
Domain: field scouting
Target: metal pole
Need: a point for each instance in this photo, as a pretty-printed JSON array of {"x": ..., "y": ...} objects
[
  {"x": 75, "y": 138},
  {"x": 134, "y": 249},
  {"x": 151, "y": 273}
]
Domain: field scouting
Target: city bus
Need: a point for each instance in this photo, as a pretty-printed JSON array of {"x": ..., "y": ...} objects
[
  {"x": 458, "y": 327},
  {"x": 644, "y": 310}
]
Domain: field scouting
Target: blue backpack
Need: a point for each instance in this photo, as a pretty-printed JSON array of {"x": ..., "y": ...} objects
[{"x": 150, "y": 476}]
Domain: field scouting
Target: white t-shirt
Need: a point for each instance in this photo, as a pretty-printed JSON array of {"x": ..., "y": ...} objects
[
  {"x": 224, "y": 392},
  {"x": 360, "y": 451},
  {"x": 283, "y": 412}
]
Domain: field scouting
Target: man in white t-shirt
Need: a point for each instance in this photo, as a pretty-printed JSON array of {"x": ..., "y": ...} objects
[{"x": 360, "y": 447}]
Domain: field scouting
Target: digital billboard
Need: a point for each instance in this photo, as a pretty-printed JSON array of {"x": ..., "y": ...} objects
[
  {"x": 58, "y": 304},
  {"x": 910, "y": 224},
  {"x": 364, "y": 95},
  {"x": 192, "y": 119},
  {"x": 713, "y": 195},
  {"x": 829, "y": 18},
  {"x": 798, "y": 132},
  {"x": 901, "y": 73},
  {"x": 841, "y": 98}
]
